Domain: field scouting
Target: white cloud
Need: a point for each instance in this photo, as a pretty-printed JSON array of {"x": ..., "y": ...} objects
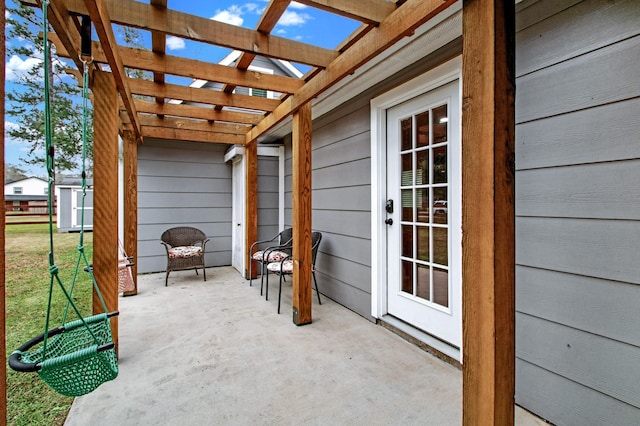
[
  {"x": 296, "y": 5},
  {"x": 16, "y": 66},
  {"x": 290, "y": 18},
  {"x": 10, "y": 125},
  {"x": 232, "y": 15},
  {"x": 175, "y": 43},
  {"x": 7, "y": 14},
  {"x": 251, "y": 7}
]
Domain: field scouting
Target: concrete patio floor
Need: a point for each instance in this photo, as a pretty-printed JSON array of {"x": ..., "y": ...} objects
[{"x": 215, "y": 352}]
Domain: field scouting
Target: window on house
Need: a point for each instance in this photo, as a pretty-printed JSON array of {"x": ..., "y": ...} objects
[
  {"x": 16, "y": 203},
  {"x": 17, "y": 190},
  {"x": 251, "y": 92},
  {"x": 259, "y": 92}
]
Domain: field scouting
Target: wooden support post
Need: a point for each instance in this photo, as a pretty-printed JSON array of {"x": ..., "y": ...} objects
[
  {"x": 251, "y": 204},
  {"x": 488, "y": 223},
  {"x": 302, "y": 215},
  {"x": 3, "y": 305},
  {"x": 131, "y": 204},
  {"x": 105, "y": 193}
]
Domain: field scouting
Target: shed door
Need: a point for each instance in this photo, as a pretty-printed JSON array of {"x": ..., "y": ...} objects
[
  {"x": 424, "y": 239},
  {"x": 76, "y": 208}
]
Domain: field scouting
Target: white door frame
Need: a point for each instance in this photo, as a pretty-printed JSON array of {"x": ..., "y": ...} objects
[
  {"x": 238, "y": 190},
  {"x": 430, "y": 80},
  {"x": 236, "y": 154}
]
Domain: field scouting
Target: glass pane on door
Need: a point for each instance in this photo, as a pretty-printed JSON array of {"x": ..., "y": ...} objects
[{"x": 424, "y": 188}]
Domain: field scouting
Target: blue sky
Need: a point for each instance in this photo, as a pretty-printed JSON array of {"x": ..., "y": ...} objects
[{"x": 299, "y": 22}]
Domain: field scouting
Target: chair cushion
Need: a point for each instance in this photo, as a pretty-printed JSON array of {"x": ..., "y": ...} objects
[
  {"x": 287, "y": 267},
  {"x": 182, "y": 252},
  {"x": 274, "y": 256}
]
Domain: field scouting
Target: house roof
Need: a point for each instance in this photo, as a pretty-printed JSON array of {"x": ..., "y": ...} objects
[
  {"x": 73, "y": 182},
  {"x": 226, "y": 117},
  {"x": 8, "y": 182}
]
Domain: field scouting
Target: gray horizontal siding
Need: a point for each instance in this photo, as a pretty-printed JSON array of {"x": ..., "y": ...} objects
[
  {"x": 599, "y": 191},
  {"x": 577, "y": 356},
  {"x": 602, "y": 133},
  {"x": 569, "y": 403},
  {"x": 596, "y": 78},
  {"x": 598, "y": 306},
  {"x": 183, "y": 184},
  {"x": 605, "y": 249},
  {"x": 592, "y": 25},
  {"x": 268, "y": 197},
  {"x": 578, "y": 220}
]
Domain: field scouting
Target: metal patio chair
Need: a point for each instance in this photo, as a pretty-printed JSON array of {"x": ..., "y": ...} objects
[
  {"x": 278, "y": 249},
  {"x": 285, "y": 267}
]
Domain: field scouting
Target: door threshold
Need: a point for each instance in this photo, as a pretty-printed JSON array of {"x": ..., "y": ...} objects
[{"x": 424, "y": 341}]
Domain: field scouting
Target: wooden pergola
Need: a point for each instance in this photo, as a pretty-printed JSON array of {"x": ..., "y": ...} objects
[{"x": 488, "y": 141}]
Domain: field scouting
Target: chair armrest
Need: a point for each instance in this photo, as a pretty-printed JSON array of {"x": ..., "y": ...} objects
[
  {"x": 282, "y": 262},
  {"x": 261, "y": 242},
  {"x": 268, "y": 250},
  {"x": 167, "y": 246}
]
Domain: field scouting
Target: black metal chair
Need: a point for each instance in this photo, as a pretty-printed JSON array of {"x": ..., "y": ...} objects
[
  {"x": 285, "y": 267},
  {"x": 185, "y": 248},
  {"x": 272, "y": 253}
]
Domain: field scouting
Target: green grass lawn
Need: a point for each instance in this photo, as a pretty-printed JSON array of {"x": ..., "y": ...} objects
[{"x": 30, "y": 400}]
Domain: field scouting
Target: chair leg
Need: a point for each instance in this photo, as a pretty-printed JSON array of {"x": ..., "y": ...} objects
[
  {"x": 166, "y": 279},
  {"x": 261, "y": 277},
  {"x": 196, "y": 268},
  {"x": 204, "y": 272},
  {"x": 250, "y": 270},
  {"x": 266, "y": 291},
  {"x": 280, "y": 293},
  {"x": 316, "y": 282}
]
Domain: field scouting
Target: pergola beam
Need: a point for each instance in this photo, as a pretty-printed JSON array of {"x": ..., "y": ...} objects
[
  {"x": 166, "y": 64},
  {"x": 190, "y": 124},
  {"x": 488, "y": 213},
  {"x": 371, "y": 12},
  {"x": 3, "y": 266},
  {"x": 192, "y": 111},
  {"x": 302, "y": 212},
  {"x": 197, "y": 95},
  {"x": 402, "y": 22},
  {"x": 267, "y": 22},
  {"x": 191, "y": 135},
  {"x": 146, "y": 17},
  {"x": 130, "y": 205},
  {"x": 105, "y": 173},
  {"x": 158, "y": 44},
  {"x": 102, "y": 24},
  {"x": 63, "y": 23}
]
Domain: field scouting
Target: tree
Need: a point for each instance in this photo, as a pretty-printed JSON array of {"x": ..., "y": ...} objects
[
  {"x": 13, "y": 173},
  {"x": 26, "y": 99}
]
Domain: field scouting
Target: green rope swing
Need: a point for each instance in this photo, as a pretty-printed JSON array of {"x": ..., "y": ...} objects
[{"x": 78, "y": 356}]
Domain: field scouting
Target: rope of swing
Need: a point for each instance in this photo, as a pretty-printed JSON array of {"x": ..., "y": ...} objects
[{"x": 50, "y": 156}]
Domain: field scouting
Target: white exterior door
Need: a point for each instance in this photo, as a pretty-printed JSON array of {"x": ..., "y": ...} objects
[
  {"x": 238, "y": 211},
  {"x": 423, "y": 214}
]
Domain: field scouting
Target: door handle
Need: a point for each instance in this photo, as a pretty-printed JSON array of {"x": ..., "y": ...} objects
[{"x": 389, "y": 221}]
